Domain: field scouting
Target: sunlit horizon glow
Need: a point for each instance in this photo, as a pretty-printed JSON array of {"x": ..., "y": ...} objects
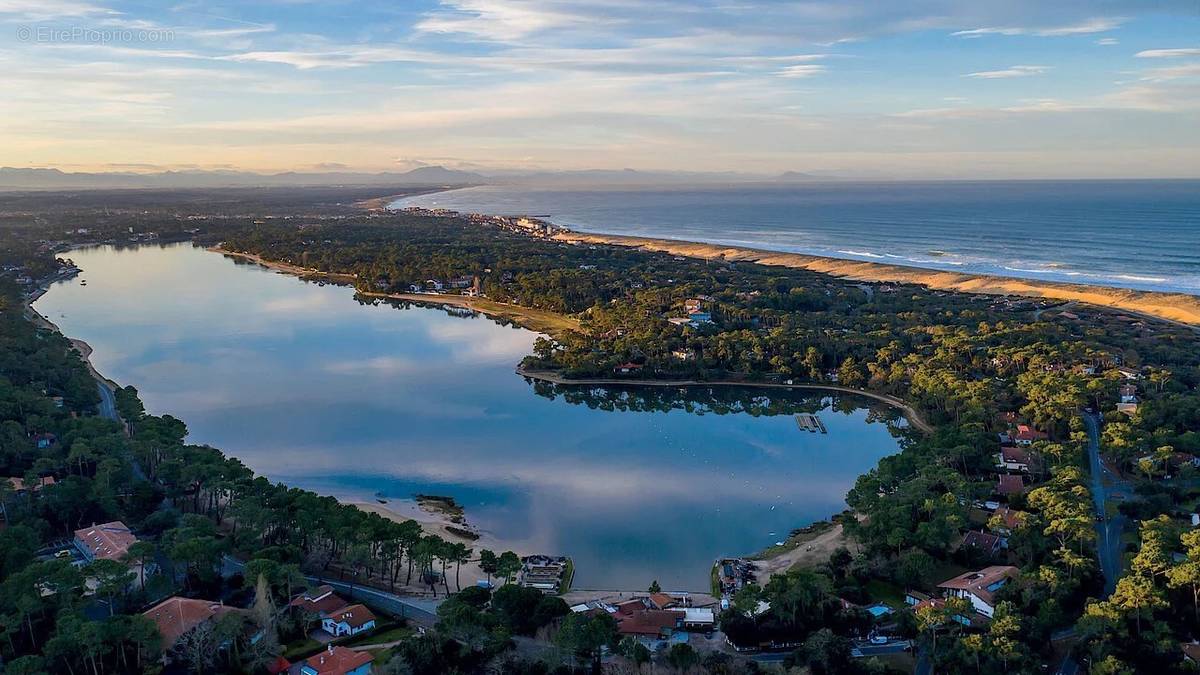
[{"x": 923, "y": 89}]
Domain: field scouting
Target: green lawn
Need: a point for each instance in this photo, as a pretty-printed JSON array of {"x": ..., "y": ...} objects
[
  {"x": 389, "y": 632},
  {"x": 300, "y": 649}
]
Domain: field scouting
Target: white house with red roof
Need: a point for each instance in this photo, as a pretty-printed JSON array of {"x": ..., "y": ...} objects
[
  {"x": 334, "y": 661},
  {"x": 107, "y": 541},
  {"x": 349, "y": 620}
]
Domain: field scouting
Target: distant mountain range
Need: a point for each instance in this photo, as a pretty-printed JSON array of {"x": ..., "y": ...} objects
[{"x": 54, "y": 179}]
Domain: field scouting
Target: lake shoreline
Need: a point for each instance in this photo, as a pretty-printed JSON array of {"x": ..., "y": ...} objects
[{"x": 910, "y": 413}]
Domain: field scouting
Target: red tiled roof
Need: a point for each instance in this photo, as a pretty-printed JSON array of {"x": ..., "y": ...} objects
[
  {"x": 1191, "y": 650},
  {"x": 108, "y": 541},
  {"x": 1028, "y": 433},
  {"x": 1011, "y": 517},
  {"x": 634, "y": 618},
  {"x": 355, "y": 616},
  {"x": 662, "y": 600},
  {"x": 1011, "y": 485},
  {"x": 337, "y": 661},
  {"x": 320, "y": 600},
  {"x": 18, "y": 484},
  {"x": 176, "y": 616}
]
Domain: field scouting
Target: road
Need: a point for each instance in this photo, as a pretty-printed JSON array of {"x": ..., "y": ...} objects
[
  {"x": 108, "y": 402},
  {"x": 419, "y": 611},
  {"x": 1104, "y": 492}
]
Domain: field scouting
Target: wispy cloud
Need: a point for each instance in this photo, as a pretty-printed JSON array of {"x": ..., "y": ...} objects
[
  {"x": 1090, "y": 26},
  {"x": 1168, "y": 53},
  {"x": 1014, "y": 71}
]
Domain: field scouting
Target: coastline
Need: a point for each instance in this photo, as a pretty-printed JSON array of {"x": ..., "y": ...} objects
[
  {"x": 1174, "y": 308},
  {"x": 910, "y": 413}
]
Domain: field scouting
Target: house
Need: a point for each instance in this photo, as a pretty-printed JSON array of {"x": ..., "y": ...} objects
[
  {"x": 980, "y": 587},
  {"x": 699, "y": 618},
  {"x": 1191, "y": 651},
  {"x": 684, "y": 354},
  {"x": 985, "y": 542},
  {"x": 1010, "y": 484},
  {"x": 434, "y": 284},
  {"x": 109, "y": 541},
  {"x": 627, "y": 368},
  {"x": 1129, "y": 393},
  {"x": 349, "y": 620},
  {"x": 1010, "y": 519},
  {"x": 1130, "y": 373},
  {"x": 1027, "y": 435},
  {"x": 175, "y": 616},
  {"x": 321, "y": 601},
  {"x": 334, "y": 661},
  {"x": 20, "y": 487},
  {"x": 680, "y": 321},
  {"x": 662, "y": 601},
  {"x": 44, "y": 441},
  {"x": 635, "y": 618},
  {"x": 1014, "y": 459}
]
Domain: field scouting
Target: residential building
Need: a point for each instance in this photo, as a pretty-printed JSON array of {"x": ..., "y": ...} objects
[
  {"x": 1027, "y": 435},
  {"x": 321, "y": 601},
  {"x": 109, "y": 541},
  {"x": 985, "y": 542},
  {"x": 627, "y": 368},
  {"x": 1014, "y": 459},
  {"x": 335, "y": 661},
  {"x": 980, "y": 587},
  {"x": 349, "y": 620},
  {"x": 175, "y": 616},
  {"x": 1010, "y": 484},
  {"x": 19, "y": 486},
  {"x": 635, "y": 618}
]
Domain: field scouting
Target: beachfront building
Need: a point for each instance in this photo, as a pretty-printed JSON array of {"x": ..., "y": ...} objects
[
  {"x": 980, "y": 587},
  {"x": 349, "y": 620},
  {"x": 334, "y": 660}
]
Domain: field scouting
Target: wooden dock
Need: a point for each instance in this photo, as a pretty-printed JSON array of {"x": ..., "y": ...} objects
[{"x": 810, "y": 423}]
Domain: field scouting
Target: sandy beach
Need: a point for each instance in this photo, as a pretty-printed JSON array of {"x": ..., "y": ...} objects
[
  {"x": 1176, "y": 308},
  {"x": 439, "y": 523}
]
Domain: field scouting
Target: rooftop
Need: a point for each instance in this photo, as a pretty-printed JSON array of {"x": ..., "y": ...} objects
[
  {"x": 175, "y": 616},
  {"x": 983, "y": 583},
  {"x": 107, "y": 541},
  {"x": 335, "y": 661}
]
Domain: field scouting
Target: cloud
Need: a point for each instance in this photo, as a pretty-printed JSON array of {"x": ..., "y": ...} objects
[
  {"x": 801, "y": 71},
  {"x": 1108, "y": 41},
  {"x": 1172, "y": 73},
  {"x": 1095, "y": 25},
  {"x": 44, "y": 10},
  {"x": 1014, "y": 71},
  {"x": 1168, "y": 53}
]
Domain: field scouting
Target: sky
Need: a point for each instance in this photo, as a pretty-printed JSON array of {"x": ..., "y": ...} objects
[{"x": 858, "y": 88}]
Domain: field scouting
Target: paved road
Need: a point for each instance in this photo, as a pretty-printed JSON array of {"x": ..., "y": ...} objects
[
  {"x": 420, "y": 611},
  {"x": 1108, "y": 530},
  {"x": 108, "y": 401}
]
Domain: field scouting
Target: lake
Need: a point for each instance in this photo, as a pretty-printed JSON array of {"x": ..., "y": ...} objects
[{"x": 309, "y": 386}]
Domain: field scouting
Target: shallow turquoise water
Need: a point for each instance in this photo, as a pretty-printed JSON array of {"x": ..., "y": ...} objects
[{"x": 309, "y": 386}]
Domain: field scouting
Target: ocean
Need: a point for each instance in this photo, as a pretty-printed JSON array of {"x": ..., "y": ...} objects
[{"x": 1142, "y": 234}]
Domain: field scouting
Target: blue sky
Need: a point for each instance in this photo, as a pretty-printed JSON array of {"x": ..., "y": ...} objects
[{"x": 919, "y": 89}]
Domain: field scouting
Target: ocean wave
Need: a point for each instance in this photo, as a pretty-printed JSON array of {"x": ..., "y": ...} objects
[
  {"x": 865, "y": 254},
  {"x": 1134, "y": 277}
]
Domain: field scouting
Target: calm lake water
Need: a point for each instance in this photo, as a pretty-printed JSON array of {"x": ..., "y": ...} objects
[{"x": 308, "y": 386}]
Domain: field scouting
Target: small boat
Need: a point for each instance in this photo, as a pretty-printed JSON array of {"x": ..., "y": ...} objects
[{"x": 379, "y": 497}]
